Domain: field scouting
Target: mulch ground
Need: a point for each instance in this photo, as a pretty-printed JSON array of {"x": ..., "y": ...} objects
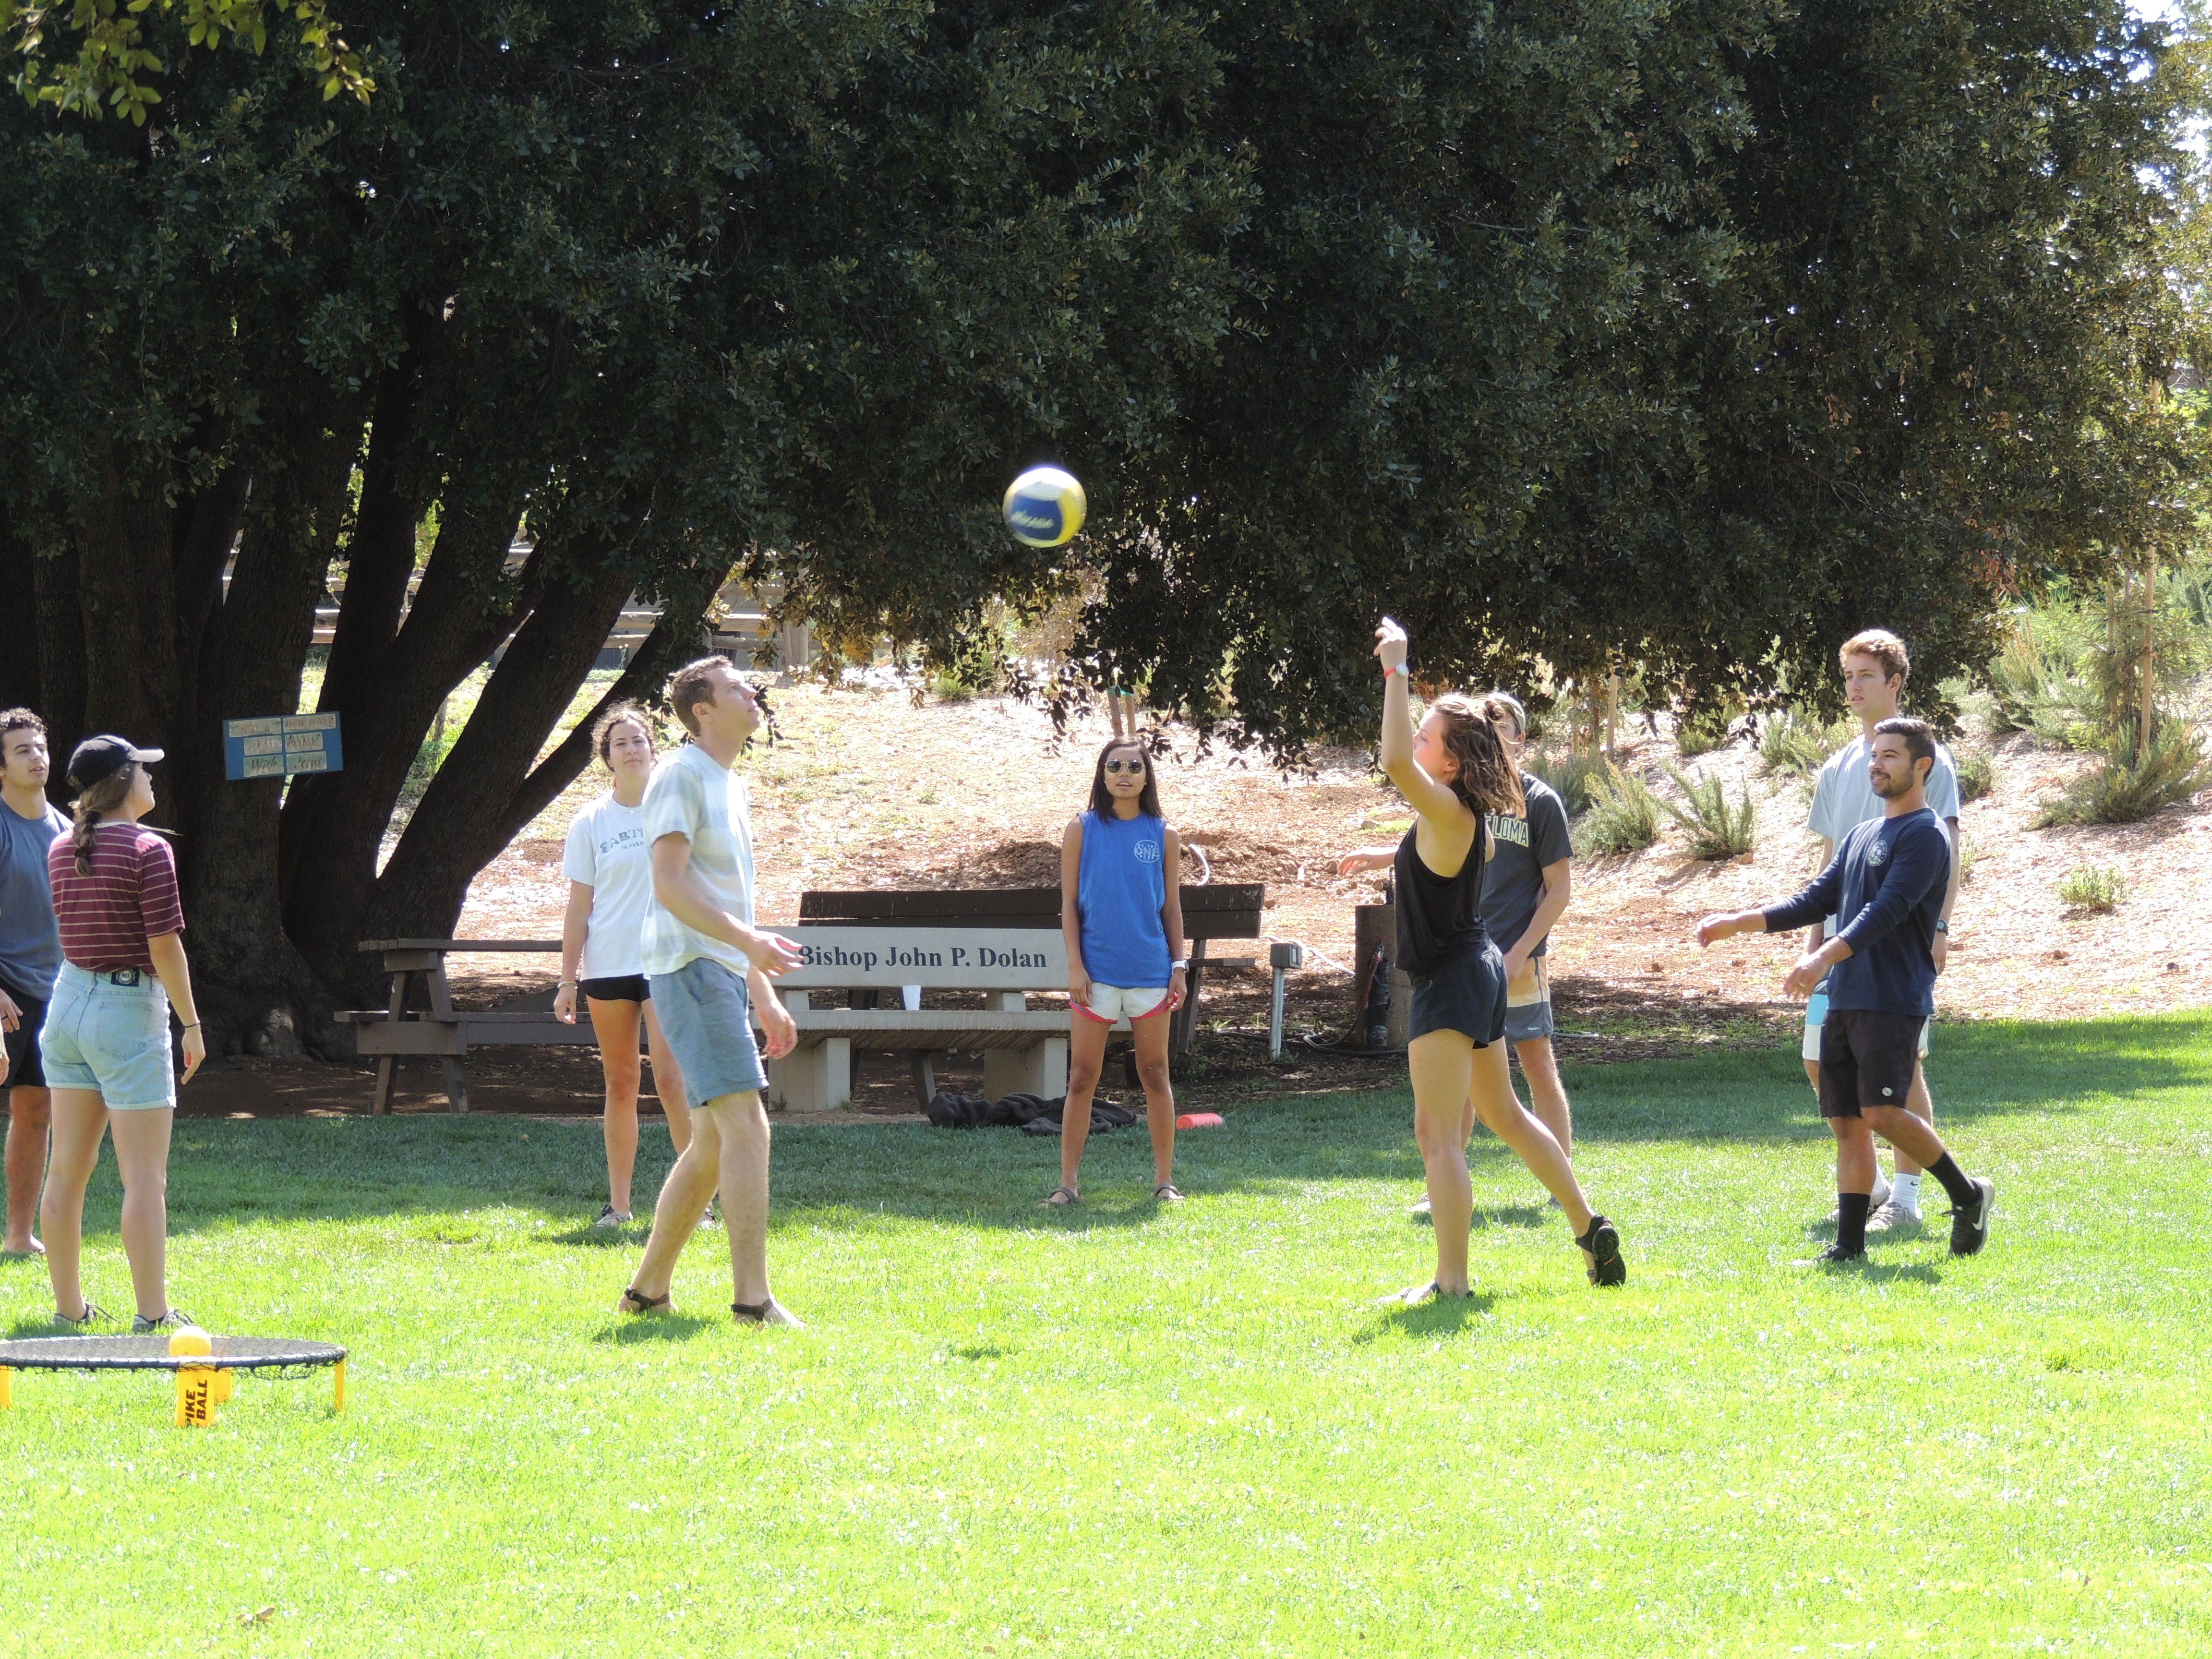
[{"x": 873, "y": 787}]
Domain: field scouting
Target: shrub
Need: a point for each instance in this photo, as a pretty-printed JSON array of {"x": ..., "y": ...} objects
[
  {"x": 2126, "y": 786},
  {"x": 1795, "y": 740},
  {"x": 1978, "y": 774},
  {"x": 1570, "y": 776},
  {"x": 2097, "y": 887},
  {"x": 1623, "y": 816},
  {"x": 1701, "y": 733},
  {"x": 949, "y": 687},
  {"x": 1970, "y": 854},
  {"x": 1716, "y": 829}
]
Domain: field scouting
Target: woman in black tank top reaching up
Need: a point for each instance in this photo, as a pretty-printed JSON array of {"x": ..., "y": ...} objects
[{"x": 1452, "y": 771}]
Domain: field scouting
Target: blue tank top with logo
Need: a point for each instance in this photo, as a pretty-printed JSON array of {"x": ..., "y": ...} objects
[{"x": 1120, "y": 887}]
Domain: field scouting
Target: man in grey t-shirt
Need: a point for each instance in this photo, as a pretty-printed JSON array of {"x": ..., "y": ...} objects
[
  {"x": 30, "y": 957},
  {"x": 1875, "y": 666}
]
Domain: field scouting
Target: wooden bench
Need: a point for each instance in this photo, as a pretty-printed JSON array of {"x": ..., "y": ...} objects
[
  {"x": 442, "y": 1029},
  {"x": 1225, "y": 911},
  {"x": 1024, "y": 1049}
]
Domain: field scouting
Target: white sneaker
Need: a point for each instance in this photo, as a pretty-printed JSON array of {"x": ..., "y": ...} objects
[
  {"x": 1875, "y": 1201},
  {"x": 1893, "y": 1218},
  {"x": 1421, "y": 1206}
]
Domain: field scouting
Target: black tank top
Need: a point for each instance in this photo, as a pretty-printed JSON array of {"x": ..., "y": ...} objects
[{"x": 1440, "y": 917}]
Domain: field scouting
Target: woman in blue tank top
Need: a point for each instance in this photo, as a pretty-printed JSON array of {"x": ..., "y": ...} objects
[{"x": 1123, "y": 919}]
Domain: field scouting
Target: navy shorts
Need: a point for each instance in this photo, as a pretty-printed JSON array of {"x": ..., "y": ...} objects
[
  {"x": 23, "y": 1068},
  {"x": 707, "y": 1016},
  {"x": 1466, "y": 995}
]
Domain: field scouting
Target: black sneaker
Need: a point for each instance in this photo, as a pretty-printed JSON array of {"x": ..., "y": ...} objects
[
  {"x": 93, "y": 1315},
  {"x": 1834, "y": 1256},
  {"x": 1604, "y": 1245},
  {"x": 1970, "y": 1223},
  {"x": 142, "y": 1326}
]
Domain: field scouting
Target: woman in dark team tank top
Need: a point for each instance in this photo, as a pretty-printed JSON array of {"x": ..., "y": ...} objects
[{"x": 1452, "y": 771}]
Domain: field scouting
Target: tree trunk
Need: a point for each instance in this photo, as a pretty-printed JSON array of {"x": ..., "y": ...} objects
[
  {"x": 18, "y": 618},
  {"x": 127, "y": 597},
  {"x": 333, "y": 826},
  {"x": 263, "y": 998},
  {"x": 462, "y": 823},
  {"x": 61, "y": 668}
]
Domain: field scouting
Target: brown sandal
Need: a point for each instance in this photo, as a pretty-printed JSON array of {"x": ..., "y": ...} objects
[
  {"x": 634, "y": 1301},
  {"x": 1060, "y": 1198}
]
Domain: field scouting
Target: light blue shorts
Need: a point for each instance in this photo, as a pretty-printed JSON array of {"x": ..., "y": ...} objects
[
  {"x": 109, "y": 1037},
  {"x": 708, "y": 1018}
]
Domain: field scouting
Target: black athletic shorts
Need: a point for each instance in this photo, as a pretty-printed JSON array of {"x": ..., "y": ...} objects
[
  {"x": 25, "y": 1070},
  {"x": 622, "y": 988},
  {"x": 1466, "y": 995},
  {"x": 1867, "y": 1059}
]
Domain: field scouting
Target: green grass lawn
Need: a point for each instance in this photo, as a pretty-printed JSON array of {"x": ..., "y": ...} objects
[{"x": 1186, "y": 1432}]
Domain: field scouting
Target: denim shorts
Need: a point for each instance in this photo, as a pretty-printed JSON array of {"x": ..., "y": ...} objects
[
  {"x": 109, "y": 1037},
  {"x": 708, "y": 1018}
]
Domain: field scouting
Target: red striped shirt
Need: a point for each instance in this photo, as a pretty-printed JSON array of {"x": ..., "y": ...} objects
[{"x": 130, "y": 897}]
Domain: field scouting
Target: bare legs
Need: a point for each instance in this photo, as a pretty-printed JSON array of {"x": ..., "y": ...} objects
[
  {"x": 1087, "y": 1060},
  {"x": 1451, "y": 1076},
  {"x": 1547, "y": 1095},
  {"x": 729, "y": 1150},
  {"x": 29, "y": 1112},
  {"x": 142, "y": 1154},
  {"x": 1918, "y": 1103},
  {"x": 615, "y": 1024}
]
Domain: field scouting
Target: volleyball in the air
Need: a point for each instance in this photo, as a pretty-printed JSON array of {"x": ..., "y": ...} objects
[{"x": 1044, "y": 506}]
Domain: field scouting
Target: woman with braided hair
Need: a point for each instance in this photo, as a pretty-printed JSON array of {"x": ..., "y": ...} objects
[
  {"x": 1452, "y": 771},
  {"x": 106, "y": 1042}
]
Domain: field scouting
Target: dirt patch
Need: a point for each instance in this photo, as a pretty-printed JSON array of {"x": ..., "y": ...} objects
[{"x": 871, "y": 788}]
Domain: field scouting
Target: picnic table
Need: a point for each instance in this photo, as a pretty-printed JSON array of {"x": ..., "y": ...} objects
[{"x": 442, "y": 1029}]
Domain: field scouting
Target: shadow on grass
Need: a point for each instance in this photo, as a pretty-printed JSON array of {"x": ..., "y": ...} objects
[
  {"x": 655, "y": 1327},
  {"x": 223, "y": 1173},
  {"x": 1875, "y": 1272},
  {"x": 1440, "y": 1316}
]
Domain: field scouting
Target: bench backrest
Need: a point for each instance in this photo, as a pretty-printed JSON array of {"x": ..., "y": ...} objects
[
  {"x": 935, "y": 958},
  {"x": 1225, "y": 910}
]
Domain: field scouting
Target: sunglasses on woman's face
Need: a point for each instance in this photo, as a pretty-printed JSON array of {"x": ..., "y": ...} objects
[{"x": 1115, "y": 769}]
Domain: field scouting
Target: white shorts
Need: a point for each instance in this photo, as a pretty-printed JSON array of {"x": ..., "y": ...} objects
[
  {"x": 1816, "y": 1010},
  {"x": 1110, "y": 1003}
]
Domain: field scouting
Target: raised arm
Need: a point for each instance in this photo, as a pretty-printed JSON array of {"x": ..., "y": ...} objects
[{"x": 1432, "y": 801}]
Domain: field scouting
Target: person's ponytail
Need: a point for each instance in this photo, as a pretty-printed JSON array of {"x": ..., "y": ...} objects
[{"x": 103, "y": 797}]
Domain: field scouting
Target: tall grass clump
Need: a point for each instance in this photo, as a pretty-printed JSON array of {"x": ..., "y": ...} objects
[
  {"x": 1623, "y": 816},
  {"x": 1702, "y": 733},
  {"x": 1796, "y": 741},
  {"x": 1716, "y": 829},
  {"x": 2094, "y": 887},
  {"x": 1978, "y": 774},
  {"x": 2131, "y": 781},
  {"x": 1568, "y": 776}
]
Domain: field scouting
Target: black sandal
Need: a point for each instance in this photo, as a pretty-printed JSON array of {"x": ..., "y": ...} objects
[
  {"x": 752, "y": 1313},
  {"x": 634, "y": 1301},
  {"x": 1604, "y": 1245}
]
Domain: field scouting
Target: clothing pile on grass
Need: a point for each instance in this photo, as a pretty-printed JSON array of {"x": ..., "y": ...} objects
[{"x": 1033, "y": 1114}]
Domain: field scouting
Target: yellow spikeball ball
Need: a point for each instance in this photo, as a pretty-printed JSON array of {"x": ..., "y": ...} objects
[
  {"x": 1044, "y": 506},
  {"x": 189, "y": 1338}
]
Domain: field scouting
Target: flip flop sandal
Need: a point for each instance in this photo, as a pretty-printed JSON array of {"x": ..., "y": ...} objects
[
  {"x": 1418, "y": 1296},
  {"x": 1060, "y": 1199},
  {"x": 1604, "y": 1245},
  {"x": 1167, "y": 1193},
  {"x": 634, "y": 1301},
  {"x": 753, "y": 1313}
]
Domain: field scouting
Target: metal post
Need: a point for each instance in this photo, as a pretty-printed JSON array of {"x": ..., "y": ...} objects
[{"x": 1282, "y": 958}]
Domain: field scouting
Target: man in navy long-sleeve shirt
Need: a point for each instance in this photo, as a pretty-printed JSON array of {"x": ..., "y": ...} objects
[{"x": 1888, "y": 881}]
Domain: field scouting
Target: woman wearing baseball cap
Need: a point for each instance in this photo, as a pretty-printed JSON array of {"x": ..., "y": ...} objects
[{"x": 106, "y": 1044}]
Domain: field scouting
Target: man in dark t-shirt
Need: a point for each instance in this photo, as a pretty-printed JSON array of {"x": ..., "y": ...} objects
[
  {"x": 1887, "y": 884},
  {"x": 30, "y": 957}
]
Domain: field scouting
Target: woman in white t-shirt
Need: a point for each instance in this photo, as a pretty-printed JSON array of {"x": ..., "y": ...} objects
[{"x": 610, "y": 871}]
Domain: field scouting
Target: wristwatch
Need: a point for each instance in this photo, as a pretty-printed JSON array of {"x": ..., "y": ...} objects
[{"x": 1942, "y": 926}]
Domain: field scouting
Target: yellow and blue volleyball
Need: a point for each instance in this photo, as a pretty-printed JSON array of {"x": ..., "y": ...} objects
[{"x": 1044, "y": 506}]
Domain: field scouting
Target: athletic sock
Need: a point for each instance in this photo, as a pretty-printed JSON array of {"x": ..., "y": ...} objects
[
  {"x": 1851, "y": 1221},
  {"x": 1946, "y": 1171},
  {"x": 1905, "y": 1192}
]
